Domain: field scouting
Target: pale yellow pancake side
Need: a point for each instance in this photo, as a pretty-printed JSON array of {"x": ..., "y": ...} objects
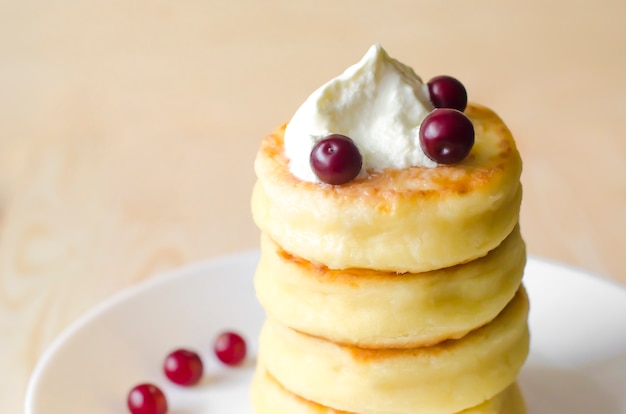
[
  {"x": 441, "y": 379},
  {"x": 409, "y": 220},
  {"x": 269, "y": 397},
  {"x": 373, "y": 309}
]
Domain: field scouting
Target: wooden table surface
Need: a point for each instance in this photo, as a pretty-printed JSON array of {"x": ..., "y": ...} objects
[{"x": 128, "y": 130}]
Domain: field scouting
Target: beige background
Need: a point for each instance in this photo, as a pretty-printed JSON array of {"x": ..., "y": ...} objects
[{"x": 128, "y": 130}]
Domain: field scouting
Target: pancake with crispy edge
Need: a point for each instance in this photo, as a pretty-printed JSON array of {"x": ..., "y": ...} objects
[
  {"x": 269, "y": 397},
  {"x": 372, "y": 309},
  {"x": 405, "y": 220},
  {"x": 440, "y": 379}
]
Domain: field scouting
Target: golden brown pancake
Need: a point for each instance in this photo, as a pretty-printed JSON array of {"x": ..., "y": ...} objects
[
  {"x": 269, "y": 397},
  {"x": 407, "y": 220},
  {"x": 373, "y": 309},
  {"x": 441, "y": 379}
]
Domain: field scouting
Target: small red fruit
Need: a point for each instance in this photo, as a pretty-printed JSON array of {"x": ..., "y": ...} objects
[
  {"x": 446, "y": 135},
  {"x": 146, "y": 399},
  {"x": 335, "y": 159},
  {"x": 183, "y": 367},
  {"x": 230, "y": 348},
  {"x": 447, "y": 92}
]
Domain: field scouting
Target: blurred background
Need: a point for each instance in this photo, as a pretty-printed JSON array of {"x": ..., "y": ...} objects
[{"x": 128, "y": 130}]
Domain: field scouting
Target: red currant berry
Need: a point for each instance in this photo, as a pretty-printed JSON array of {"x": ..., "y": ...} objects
[
  {"x": 447, "y": 92},
  {"x": 183, "y": 367},
  {"x": 336, "y": 160},
  {"x": 146, "y": 399},
  {"x": 446, "y": 135},
  {"x": 230, "y": 348}
]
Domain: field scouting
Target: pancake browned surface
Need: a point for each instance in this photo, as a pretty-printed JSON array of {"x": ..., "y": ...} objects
[
  {"x": 425, "y": 218},
  {"x": 449, "y": 377},
  {"x": 373, "y": 309},
  {"x": 269, "y": 397}
]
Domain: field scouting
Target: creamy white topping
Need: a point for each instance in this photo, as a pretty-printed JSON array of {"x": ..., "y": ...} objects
[{"x": 378, "y": 102}]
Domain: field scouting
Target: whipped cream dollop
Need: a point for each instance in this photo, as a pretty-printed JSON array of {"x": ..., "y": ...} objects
[{"x": 379, "y": 103}]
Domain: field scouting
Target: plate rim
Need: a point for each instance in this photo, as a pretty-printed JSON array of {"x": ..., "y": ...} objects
[
  {"x": 158, "y": 279},
  {"x": 172, "y": 275}
]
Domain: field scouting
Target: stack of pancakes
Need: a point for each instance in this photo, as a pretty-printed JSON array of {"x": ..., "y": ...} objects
[{"x": 398, "y": 293}]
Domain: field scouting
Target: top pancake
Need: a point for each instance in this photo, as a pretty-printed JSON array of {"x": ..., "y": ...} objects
[{"x": 404, "y": 220}]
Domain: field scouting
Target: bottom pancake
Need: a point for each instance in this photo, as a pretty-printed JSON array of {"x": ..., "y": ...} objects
[
  {"x": 440, "y": 379},
  {"x": 269, "y": 397}
]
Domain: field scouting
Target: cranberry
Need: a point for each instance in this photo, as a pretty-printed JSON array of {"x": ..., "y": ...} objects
[
  {"x": 183, "y": 367},
  {"x": 336, "y": 160},
  {"x": 447, "y": 92},
  {"x": 147, "y": 399},
  {"x": 446, "y": 135},
  {"x": 230, "y": 348}
]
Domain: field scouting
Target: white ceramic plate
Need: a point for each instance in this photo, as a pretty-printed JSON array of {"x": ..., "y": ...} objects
[{"x": 577, "y": 363}]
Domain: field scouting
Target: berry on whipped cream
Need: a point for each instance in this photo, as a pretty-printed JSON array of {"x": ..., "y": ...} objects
[{"x": 379, "y": 103}]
